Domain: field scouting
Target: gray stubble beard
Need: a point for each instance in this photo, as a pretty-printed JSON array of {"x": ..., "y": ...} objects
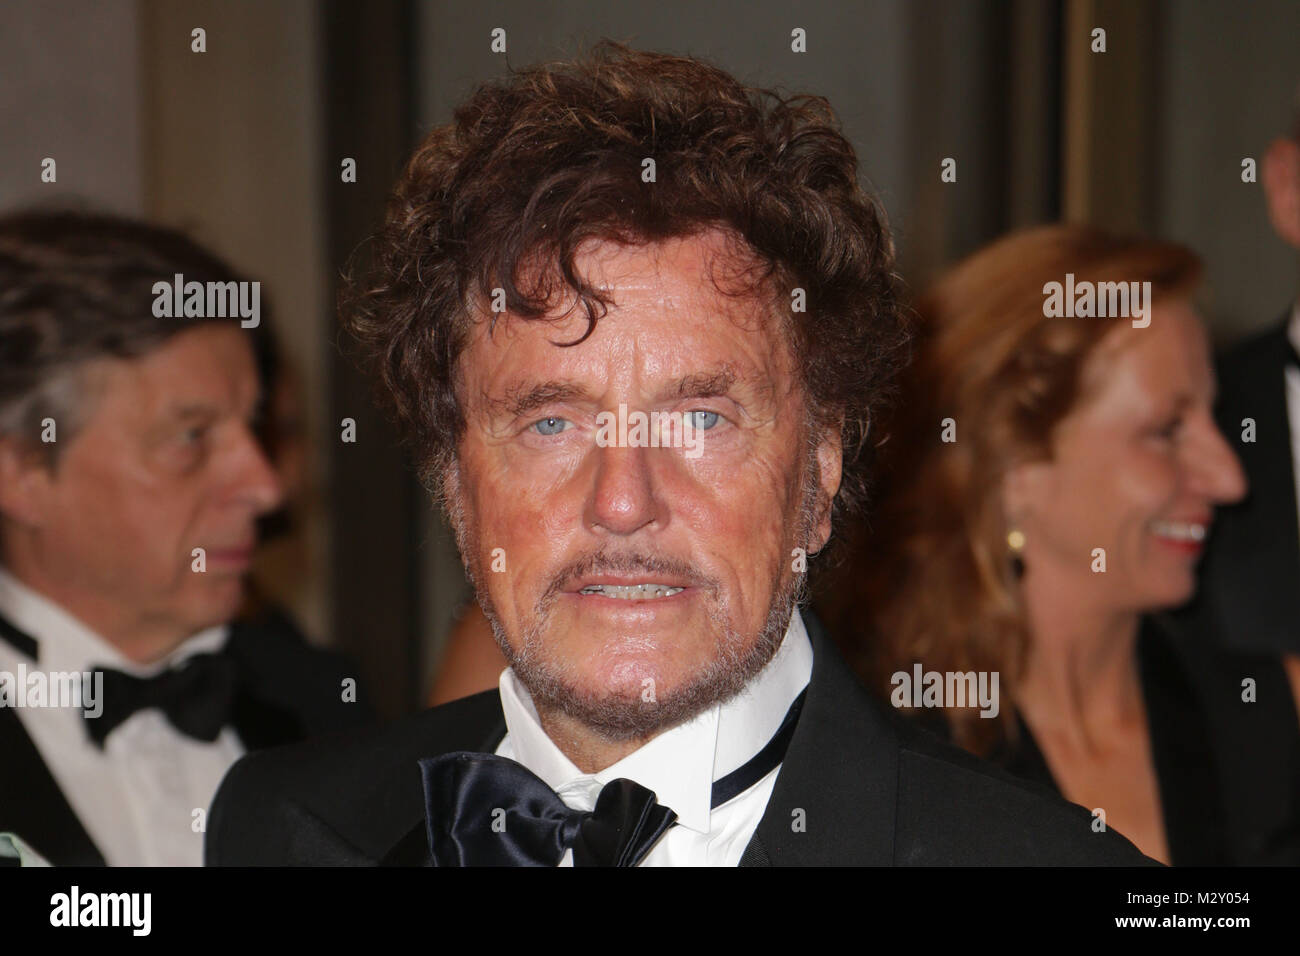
[{"x": 621, "y": 717}]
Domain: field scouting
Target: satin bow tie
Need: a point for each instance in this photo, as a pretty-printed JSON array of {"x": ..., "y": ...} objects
[
  {"x": 485, "y": 810},
  {"x": 196, "y": 697},
  {"x": 496, "y": 812}
]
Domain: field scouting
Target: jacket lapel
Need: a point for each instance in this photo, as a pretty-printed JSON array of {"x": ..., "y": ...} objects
[
  {"x": 37, "y": 811},
  {"x": 842, "y": 764},
  {"x": 413, "y": 847}
]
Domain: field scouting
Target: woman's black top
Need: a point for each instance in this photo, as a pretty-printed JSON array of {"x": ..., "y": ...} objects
[{"x": 1227, "y": 762}]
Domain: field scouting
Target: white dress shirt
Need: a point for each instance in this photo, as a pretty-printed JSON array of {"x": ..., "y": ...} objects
[
  {"x": 136, "y": 797},
  {"x": 1293, "y": 400},
  {"x": 680, "y": 764}
]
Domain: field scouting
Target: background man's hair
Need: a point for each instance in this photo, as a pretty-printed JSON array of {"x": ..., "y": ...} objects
[
  {"x": 549, "y": 157},
  {"x": 78, "y": 286}
]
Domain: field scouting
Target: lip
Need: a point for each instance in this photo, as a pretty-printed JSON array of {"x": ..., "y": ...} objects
[
  {"x": 1183, "y": 547},
  {"x": 639, "y": 609},
  {"x": 625, "y": 580},
  {"x": 1192, "y": 548}
]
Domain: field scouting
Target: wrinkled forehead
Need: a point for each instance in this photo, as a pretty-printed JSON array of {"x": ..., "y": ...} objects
[{"x": 677, "y": 309}]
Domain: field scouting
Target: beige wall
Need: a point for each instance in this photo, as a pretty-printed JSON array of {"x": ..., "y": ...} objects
[
  {"x": 230, "y": 152},
  {"x": 69, "y": 89}
]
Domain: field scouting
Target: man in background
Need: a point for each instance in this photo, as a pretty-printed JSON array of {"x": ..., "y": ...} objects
[
  {"x": 1251, "y": 584},
  {"x": 131, "y": 482}
]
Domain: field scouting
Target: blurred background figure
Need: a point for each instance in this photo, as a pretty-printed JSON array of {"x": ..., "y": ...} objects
[
  {"x": 131, "y": 484},
  {"x": 1251, "y": 593},
  {"x": 1048, "y": 483},
  {"x": 472, "y": 661}
]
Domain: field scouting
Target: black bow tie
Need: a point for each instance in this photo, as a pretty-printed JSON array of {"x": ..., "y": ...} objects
[
  {"x": 195, "y": 696},
  {"x": 485, "y": 810}
]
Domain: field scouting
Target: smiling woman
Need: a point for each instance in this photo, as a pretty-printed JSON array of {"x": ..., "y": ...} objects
[{"x": 1042, "y": 533}]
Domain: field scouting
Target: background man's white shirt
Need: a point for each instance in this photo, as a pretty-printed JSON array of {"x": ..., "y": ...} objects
[
  {"x": 680, "y": 764},
  {"x": 136, "y": 797}
]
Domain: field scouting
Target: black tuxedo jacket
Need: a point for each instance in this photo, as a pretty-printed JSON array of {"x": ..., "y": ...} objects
[
  {"x": 287, "y": 691},
  {"x": 872, "y": 790},
  {"x": 1249, "y": 598}
]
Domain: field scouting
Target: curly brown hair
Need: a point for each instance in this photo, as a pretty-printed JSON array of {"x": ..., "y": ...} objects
[{"x": 550, "y": 157}]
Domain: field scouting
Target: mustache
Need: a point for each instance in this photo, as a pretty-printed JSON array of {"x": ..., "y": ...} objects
[{"x": 625, "y": 562}]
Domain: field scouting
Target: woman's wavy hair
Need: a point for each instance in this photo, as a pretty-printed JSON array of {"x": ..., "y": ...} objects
[
  {"x": 536, "y": 164},
  {"x": 935, "y": 581}
]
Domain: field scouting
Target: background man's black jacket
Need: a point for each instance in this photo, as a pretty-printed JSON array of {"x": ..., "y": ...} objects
[
  {"x": 1249, "y": 598},
  {"x": 287, "y": 691},
  {"x": 867, "y": 788}
]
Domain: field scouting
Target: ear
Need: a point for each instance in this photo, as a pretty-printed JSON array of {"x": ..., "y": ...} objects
[
  {"x": 1281, "y": 178},
  {"x": 830, "y": 467},
  {"x": 25, "y": 482}
]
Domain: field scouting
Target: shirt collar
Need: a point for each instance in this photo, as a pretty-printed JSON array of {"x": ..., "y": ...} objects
[
  {"x": 1293, "y": 327},
  {"x": 66, "y": 644},
  {"x": 680, "y": 764}
]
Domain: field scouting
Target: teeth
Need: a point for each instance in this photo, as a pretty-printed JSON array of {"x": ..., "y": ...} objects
[
  {"x": 1180, "y": 530},
  {"x": 631, "y": 592}
]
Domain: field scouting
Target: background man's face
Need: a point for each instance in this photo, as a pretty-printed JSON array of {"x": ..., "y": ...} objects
[
  {"x": 576, "y": 520},
  {"x": 165, "y": 463}
]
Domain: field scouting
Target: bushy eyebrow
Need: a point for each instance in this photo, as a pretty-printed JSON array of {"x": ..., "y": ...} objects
[
  {"x": 704, "y": 384},
  {"x": 520, "y": 400}
]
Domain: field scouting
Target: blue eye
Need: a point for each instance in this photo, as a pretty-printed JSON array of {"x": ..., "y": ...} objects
[
  {"x": 550, "y": 426},
  {"x": 703, "y": 420}
]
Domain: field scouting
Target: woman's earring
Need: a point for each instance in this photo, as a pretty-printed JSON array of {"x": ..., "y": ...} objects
[{"x": 1016, "y": 545}]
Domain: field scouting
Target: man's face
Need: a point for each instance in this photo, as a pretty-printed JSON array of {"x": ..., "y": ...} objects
[
  {"x": 581, "y": 524},
  {"x": 165, "y": 463}
]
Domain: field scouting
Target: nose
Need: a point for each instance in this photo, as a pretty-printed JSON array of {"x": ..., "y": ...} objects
[
  {"x": 623, "y": 497},
  {"x": 1217, "y": 470},
  {"x": 257, "y": 482}
]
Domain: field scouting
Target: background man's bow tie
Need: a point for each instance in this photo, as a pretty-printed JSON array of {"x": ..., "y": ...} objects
[{"x": 196, "y": 697}]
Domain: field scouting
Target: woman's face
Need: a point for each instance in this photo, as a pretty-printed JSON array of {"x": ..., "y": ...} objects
[{"x": 1138, "y": 470}]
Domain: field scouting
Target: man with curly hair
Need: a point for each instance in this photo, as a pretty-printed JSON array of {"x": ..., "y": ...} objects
[{"x": 588, "y": 247}]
